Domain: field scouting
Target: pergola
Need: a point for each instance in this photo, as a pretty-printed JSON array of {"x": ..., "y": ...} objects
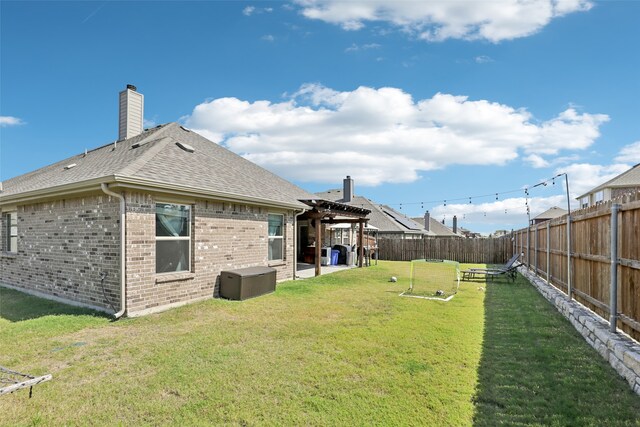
[{"x": 328, "y": 212}]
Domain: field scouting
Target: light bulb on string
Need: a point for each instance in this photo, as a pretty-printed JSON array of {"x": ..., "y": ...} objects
[
  {"x": 445, "y": 203},
  {"x": 496, "y": 196}
]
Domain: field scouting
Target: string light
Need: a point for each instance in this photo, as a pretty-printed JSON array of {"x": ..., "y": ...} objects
[{"x": 482, "y": 196}]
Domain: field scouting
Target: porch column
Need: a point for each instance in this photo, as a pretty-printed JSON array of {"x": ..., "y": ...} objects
[
  {"x": 318, "y": 225},
  {"x": 361, "y": 243}
]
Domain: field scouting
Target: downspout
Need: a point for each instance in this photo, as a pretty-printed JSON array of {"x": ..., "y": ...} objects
[
  {"x": 295, "y": 242},
  {"x": 123, "y": 305}
]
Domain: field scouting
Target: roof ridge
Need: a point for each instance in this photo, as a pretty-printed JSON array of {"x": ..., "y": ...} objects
[
  {"x": 136, "y": 165},
  {"x": 82, "y": 155}
]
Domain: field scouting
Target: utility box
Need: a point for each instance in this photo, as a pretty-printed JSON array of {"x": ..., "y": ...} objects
[{"x": 247, "y": 283}]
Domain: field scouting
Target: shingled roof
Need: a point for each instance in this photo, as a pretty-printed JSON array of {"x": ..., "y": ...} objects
[
  {"x": 630, "y": 178},
  {"x": 380, "y": 215},
  {"x": 167, "y": 157}
]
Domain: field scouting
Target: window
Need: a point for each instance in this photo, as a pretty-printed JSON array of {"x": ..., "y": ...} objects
[
  {"x": 598, "y": 197},
  {"x": 584, "y": 202},
  {"x": 11, "y": 231},
  {"x": 173, "y": 238},
  {"x": 276, "y": 234}
]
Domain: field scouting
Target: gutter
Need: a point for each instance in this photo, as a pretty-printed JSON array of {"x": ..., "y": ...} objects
[
  {"x": 295, "y": 241},
  {"x": 123, "y": 301},
  {"x": 119, "y": 181}
]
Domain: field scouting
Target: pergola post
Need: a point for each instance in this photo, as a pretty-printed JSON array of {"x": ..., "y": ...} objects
[{"x": 360, "y": 243}]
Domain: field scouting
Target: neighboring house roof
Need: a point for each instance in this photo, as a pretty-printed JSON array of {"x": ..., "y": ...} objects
[
  {"x": 386, "y": 219},
  {"x": 550, "y": 213},
  {"x": 154, "y": 159},
  {"x": 436, "y": 228},
  {"x": 630, "y": 178}
]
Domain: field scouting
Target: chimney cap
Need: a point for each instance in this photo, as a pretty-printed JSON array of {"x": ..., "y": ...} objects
[{"x": 132, "y": 87}]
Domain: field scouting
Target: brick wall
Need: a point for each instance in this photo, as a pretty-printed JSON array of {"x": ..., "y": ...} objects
[
  {"x": 224, "y": 236},
  {"x": 63, "y": 246}
]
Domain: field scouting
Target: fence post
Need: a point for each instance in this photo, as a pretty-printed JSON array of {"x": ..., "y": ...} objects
[
  {"x": 528, "y": 247},
  {"x": 548, "y": 250},
  {"x": 569, "y": 287},
  {"x": 535, "y": 249},
  {"x": 613, "y": 292}
]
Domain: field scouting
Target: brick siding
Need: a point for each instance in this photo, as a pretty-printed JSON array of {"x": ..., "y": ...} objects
[
  {"x": 225, "y": 236},
  {"x": 64, "y": 245}
]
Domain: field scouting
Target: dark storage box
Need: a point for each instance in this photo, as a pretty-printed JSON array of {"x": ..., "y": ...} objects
[{"x": 247, "y": 282}]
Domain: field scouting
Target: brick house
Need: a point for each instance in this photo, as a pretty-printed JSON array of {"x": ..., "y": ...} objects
[{"x": 144, "y": 223}]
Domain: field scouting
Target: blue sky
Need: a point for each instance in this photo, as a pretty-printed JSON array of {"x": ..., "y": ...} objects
[{"x": 420, "y": 102}]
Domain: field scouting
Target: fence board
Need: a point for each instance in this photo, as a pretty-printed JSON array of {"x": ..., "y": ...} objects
[
  {"x": 591, "y": 258},
  {"x": 476, "y": 251}
]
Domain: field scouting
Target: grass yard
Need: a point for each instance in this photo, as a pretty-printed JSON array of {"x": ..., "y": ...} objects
[{"x": 340, "y": 349}]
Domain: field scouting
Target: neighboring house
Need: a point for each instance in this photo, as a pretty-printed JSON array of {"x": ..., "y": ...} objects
[
  {"x": 152, "y": 218},
  {"x": 626, "y": 183},
  {"x": 549, "y": 214},
  {"x": 388, "y": 222},
  {"x": 434, "y": 228}
]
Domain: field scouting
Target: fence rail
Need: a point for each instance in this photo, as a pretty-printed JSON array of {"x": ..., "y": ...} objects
[{"x": 544, "y": 247}]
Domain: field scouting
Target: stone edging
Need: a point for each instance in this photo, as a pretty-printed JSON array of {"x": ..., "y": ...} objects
[{"x": 620, "y": 350}]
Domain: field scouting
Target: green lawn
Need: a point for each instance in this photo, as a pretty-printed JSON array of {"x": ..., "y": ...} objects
[{"x": 342, "y": 349}]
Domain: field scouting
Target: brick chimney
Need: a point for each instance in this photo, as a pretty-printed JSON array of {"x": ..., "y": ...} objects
[
  {"x": 455, "y": 224},
  {"x": 347, "y": 190},
  {"x": 131, "y": 113},
  {"x": 427, "y": 220}
]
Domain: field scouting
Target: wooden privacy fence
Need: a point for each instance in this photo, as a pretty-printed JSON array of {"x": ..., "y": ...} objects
[
  {"x": 482, "y": 250},
  {"x": 593, "y": 282}
]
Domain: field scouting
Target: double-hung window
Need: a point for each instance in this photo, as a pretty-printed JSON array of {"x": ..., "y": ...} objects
[
  {"x": 173, "y": 238},
  {"x": 11, "y": 231},
  {"x": 276, "y": 237}
]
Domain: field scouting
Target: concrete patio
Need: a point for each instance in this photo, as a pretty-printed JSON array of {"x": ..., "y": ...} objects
[{"x": 306, "y": 271}]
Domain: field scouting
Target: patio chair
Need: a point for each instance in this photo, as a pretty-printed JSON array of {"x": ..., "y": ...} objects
[{"x": 509, "y": 269}]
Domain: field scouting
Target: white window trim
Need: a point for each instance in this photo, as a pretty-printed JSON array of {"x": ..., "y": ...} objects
[
  {"x": 174, "y": 238},
  {"x": 281, "y": 238},
  {"x": 7, "y": 231}
]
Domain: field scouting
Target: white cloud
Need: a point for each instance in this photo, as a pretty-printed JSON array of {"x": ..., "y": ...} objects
[
  {"x": 483, "y": 59},
  {"x": 381, "y": 135},
  {"x": 507, "y": 213},
  {"x": 629, "y": 153},
  {"x": 536, "y": 161},
  {"x": 584, "y": 176},
  {"x": 441, "y": 20},
  {"x": 268, "y": 38},
  {"x": 6, "y": 121},
  {"x": 252, "y": 10},
  {"x": 355, "y": 48},
  {"x": 149, "y": 123}
]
